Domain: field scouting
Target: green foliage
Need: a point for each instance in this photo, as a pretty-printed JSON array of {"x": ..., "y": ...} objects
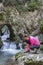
[
  {"x": 20, "y": 4},
  {"x": 1, "y": 16},
  {"x": 31, "y": 6},
  {"x": 41, "y": 26}
]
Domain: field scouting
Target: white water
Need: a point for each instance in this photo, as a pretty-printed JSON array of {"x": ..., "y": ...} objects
[{"x": 9, "y": 47}]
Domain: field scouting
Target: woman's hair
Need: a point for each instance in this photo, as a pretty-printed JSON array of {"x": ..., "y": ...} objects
[{"x": 28, "y": 42}]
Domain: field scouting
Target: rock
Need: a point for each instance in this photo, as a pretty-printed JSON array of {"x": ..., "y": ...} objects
[
  {"x": 30, "y": 59},
  {"x": 24, "y": 22},
  {"x": 10, "y": 62},
  {"x": 1, "y": 43},
  {"x": 1, "y": 8},
  {"x": 41, "y": 38},
  {"x": 36, "y": 32},
  {"x": 25, "y": 59},
  {"x": 41, "y": 2},
  {"x": 33, "y": 63}
]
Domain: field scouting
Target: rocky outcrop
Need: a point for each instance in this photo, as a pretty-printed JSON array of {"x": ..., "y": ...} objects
[
  {"x": 26, "y": 59},
  {"x": 22, "y": 23}
]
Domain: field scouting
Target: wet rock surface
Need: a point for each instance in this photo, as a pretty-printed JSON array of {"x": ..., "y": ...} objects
[
  {"x": 11, "y": 62},
  {"x": 26, "y": 59},
  {"x": 29, "y": 59}
]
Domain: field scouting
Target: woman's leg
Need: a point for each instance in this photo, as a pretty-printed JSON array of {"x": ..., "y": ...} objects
[{"x": 35, "y": 48}]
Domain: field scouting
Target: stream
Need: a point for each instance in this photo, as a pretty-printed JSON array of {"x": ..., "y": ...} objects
[{"x": 8, "y": 49}]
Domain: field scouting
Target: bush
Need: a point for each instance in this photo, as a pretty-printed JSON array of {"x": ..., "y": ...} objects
[{"x": 41, "y": 26}]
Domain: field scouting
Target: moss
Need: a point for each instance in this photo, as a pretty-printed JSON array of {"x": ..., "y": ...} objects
[
  {"x": 33, "y": 5},
  {"x": 31, "y": 62}
]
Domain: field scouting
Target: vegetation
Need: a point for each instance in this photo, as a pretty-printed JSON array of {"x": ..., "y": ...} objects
[
  {"x": 23, "y": 5},
  {"x": 31, "y": 62},
  {"x": 41, "y": 26},
  {"x": 2, "y": 16},
  {"x": 33, "y": 5},
  {"x": 29, "y": 6}
]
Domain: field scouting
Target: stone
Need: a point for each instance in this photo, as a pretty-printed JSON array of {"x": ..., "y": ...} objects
[
  {"x": 1, "y": 43},
  {"x": 1, "y": 8},
  {"x": 30, "y": 59}
]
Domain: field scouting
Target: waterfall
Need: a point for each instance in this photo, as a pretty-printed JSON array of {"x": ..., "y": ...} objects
[{"x": 10, "y": 47}]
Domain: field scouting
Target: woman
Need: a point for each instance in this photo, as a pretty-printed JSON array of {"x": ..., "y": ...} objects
[{"x": 32, "y": 43}]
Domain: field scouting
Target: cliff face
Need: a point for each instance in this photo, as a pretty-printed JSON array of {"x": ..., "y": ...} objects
[{"x": 23, "y": 22}]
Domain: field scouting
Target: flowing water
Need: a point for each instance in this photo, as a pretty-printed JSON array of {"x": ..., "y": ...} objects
[
  {"x": 4, "y": 57},
  {"x": 8, "y": 49}
]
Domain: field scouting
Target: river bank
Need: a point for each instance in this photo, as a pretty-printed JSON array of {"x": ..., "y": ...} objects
[{"x": 26, "y": 59}]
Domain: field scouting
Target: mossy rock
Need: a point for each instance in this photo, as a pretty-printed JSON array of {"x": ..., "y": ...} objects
[{"x": 33, "y": 63}]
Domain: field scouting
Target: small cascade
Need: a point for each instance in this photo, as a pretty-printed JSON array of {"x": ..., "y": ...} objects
[{"x": 10, "y": 47}]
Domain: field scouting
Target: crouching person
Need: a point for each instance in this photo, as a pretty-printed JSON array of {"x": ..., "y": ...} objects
[{"x": 31, "y": 43}]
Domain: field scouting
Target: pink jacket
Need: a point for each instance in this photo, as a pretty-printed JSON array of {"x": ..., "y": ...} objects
[{"x": 34, "y": 41}]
